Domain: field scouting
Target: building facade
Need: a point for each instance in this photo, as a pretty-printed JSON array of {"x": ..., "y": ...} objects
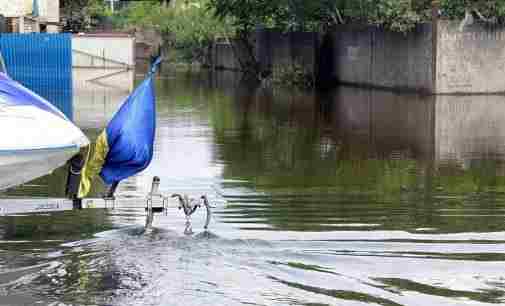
[{"x": 30, "y": 16}]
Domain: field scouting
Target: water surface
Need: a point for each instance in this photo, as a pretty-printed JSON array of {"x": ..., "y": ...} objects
[{"x": 349, "y": 197}]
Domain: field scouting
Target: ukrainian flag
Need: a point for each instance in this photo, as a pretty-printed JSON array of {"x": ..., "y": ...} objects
[{"x": 125, "y": 147}]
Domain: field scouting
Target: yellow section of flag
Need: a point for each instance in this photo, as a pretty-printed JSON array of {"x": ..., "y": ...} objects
[{"x": 94, "y": 165}]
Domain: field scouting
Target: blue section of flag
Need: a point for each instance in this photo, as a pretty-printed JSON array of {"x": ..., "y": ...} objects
[{"x": 130, "y": 135}]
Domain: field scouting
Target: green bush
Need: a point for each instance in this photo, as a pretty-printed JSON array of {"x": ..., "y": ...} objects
[{"x": 190, "y": 27}]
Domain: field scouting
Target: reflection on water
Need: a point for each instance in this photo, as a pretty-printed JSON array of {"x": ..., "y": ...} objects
[{"x": 349, "y": 197}]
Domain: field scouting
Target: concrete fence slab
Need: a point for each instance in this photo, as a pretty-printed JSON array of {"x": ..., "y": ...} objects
[{"x": 439, "y": 57}]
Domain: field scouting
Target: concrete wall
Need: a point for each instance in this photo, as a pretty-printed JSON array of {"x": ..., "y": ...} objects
[
  {"x": 372, "y": 56},
  {"x": 467, "y": 60},
  {"x": 99, "y": 51},
  {"x": 224, "y": 56},
  {"x": 117, "y": 79},
  {"x": 103, "y": 74},
  {"x": 277, "y": 49},
  {"x": 362, "y": 55},
  {"x": 471, "y": 60},
  {"x": 273, "y": 49},
  {"x": 469, "y": 128},
  {"x": 442, "y": 58}
]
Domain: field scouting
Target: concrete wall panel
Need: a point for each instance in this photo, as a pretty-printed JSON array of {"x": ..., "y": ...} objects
[
  {"x": 353, "y": 54},
  {"x": 103, "y": 51},
  {"x": 273, "y": 49},
  {"x": 470, "y": 59},
  {"x": 304, "y": 47},
  {"x": 469, "y": 128},
  {"x": 367, "y": 55},
  {"x": 224, "y": 57}
]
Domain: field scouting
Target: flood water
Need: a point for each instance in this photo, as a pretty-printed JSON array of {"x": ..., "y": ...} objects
[{"x": 350, "y": 197}]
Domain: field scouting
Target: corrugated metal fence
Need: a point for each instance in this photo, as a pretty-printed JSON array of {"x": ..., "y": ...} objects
[{"x": 43, "y": 63}]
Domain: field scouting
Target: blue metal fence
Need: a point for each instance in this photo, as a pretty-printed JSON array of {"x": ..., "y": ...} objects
[{"x": 43, "y": 63}]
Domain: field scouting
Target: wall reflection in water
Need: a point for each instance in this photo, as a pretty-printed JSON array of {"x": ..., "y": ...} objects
[{"x": 354, "y": 158}]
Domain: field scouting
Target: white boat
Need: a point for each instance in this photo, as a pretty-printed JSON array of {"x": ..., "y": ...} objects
[{"x": 35, "y": 137}]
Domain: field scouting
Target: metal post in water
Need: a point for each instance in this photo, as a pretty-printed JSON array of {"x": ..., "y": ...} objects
[
  {"x": 155, "y": 186},
  {"x": 209, "y": 213},
  {"x": 74, "y": 179},
  {"x": 189, "y": 206},
  {"x": 149, "y": 201},
  {"x": 109, "y": 196}
]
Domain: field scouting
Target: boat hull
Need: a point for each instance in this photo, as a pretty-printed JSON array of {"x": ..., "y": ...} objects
[
  {"x": 18, "y": 167},
  {"x": 35, "y": 138}
]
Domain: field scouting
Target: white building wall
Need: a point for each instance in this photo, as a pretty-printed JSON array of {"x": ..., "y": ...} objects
[
  {"x": 22, "y": 10},
  {"x": 15, "y": 8},
  {"x": 49, "y": 10}
]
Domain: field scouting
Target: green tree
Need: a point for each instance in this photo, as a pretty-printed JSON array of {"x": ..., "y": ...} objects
[
  {"x": 79, "y": 15},
  {"x": 486, "y": 10},
  {"x": 189, "y": 26}
]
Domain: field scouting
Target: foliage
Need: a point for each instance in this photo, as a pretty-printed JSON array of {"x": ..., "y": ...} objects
[
  {"x": 246, "y": 15},
  {"x": 398, "y": 15},
  {"x": 190, "y": 26},
  {"x": 315, "y": 15},
  {"x": 78, "y": 15},
  {"x": 492, "y": 9}
]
